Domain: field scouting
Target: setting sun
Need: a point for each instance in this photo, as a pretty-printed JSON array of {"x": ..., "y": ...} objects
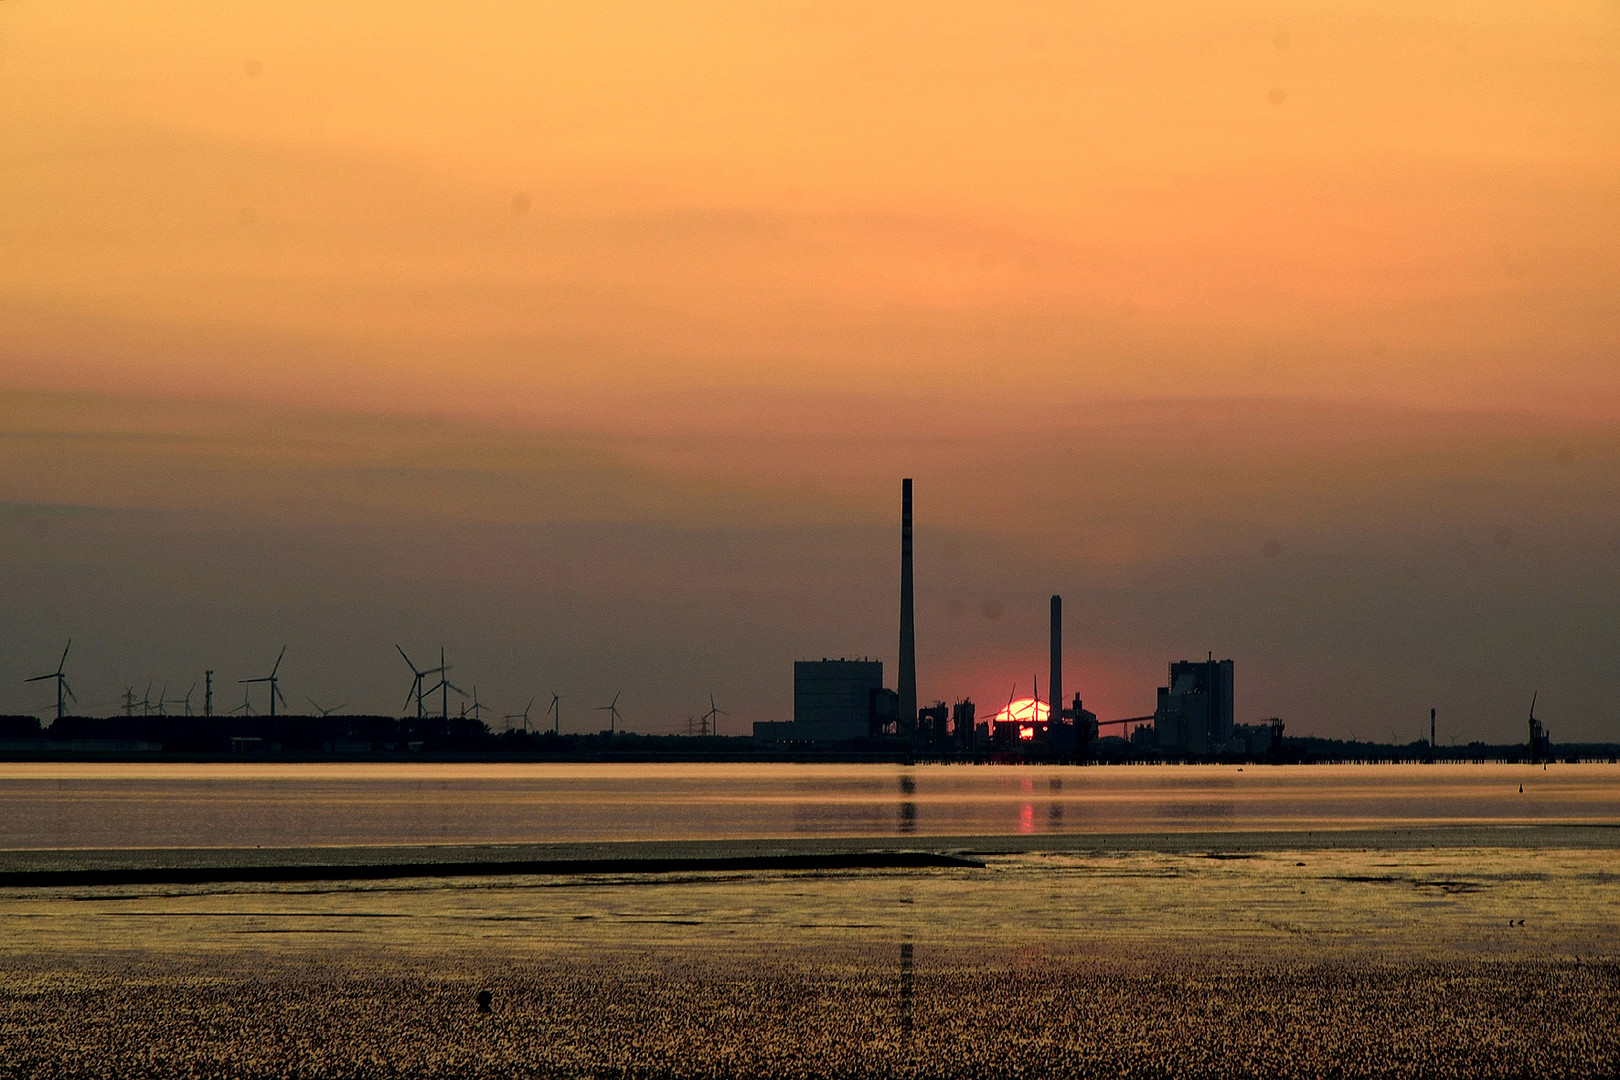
[{"x": 1028, "y": 713}]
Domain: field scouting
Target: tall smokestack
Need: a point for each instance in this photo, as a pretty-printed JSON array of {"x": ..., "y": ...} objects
[
  {"x": 908, "y": 628},
  {"x": 1054, "y": 681},
  {"x": 1431, "y": 731}
]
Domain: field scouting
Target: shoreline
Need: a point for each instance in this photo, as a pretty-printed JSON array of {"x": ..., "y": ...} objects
[{"x": 67, "y": 867}]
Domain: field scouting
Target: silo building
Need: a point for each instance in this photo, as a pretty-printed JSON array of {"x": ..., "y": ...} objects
[{"x": 1194, "y": 713}]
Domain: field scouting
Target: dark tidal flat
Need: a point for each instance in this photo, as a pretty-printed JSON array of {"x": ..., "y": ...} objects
[{"x": 722, "y": 1014}]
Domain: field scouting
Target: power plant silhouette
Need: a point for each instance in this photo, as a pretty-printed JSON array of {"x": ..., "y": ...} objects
[{"x": 844, "y": 700}]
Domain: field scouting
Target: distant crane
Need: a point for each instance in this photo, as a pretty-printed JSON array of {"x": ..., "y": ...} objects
[
  {"x": 612, "y": 709},
  {"x": 509, "y": 717},
  {"x": 275, "y": 690},
  {"x": 554, "y": 710},
  {"x": 62, "y": 687}
]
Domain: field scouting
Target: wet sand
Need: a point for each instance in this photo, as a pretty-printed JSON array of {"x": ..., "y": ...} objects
[
  {"x": 721, "y": 1014},
  {"x": 1399, "y": 954}
]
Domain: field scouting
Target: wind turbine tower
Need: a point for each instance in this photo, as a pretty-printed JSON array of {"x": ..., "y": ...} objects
[
  {"x": 711, "y": 718},
  {"x": 612, "y": 709},
  {"x": 416, "y": 684},
  {"x": 62, "y": 687},
  {"x": 275, "y": 690},
  {"x": 509, "y": 717},
  {"x": 445, "y": 685}
]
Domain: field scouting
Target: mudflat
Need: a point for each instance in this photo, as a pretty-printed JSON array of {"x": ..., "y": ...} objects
[
  {"x": 1348, "y": 955},
  {"x": 770, "y": 1013}
]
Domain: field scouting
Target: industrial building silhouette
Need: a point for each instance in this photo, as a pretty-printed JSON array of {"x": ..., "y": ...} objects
[{"x": 844, "y": 700}]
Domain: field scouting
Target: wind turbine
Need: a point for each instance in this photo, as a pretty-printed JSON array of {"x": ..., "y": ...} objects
[
  {"x": 146, "y": 699},
  {"x": 275, "y": 691},
  {"x": 62, "y": 686},
  {"x": 509, "y": 717},
  {"x": 164, "y": 700},
  {"x": 612, "y": 709},
  {"x": 246, "y": 708},
  {"x": 555, "y": 710},
  {"x": 445, "y": 685},
  {"x": 712, "y": 717},
  {"x": 416, "y": 684},
  {"x": 476, "y": 709},
  {"x": 324, "y": 712}
]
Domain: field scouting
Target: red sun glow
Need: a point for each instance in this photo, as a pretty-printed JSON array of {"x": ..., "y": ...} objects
[{"x": 1026, "y": 713}]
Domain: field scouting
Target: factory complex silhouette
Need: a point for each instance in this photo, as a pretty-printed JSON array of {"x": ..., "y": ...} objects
[{"x": 841, "y": 711}]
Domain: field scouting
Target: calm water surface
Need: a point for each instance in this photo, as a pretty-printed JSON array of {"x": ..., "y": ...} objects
[{"x": 141, "y": 805}]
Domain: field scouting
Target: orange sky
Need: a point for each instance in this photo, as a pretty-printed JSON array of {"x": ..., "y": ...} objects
[
  {"x": 490, "y": 205},
  {"x": 1135, "y": 291}
]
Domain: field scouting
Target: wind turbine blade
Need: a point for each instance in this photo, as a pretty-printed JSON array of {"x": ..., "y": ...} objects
[
  {"x": 62, "y": 661},
  {"x": 71, "y": 695},
  {"x": 407, "y": 659},
  {"x": 277, "y": 691},
  {"x": 40, "y": 678},
  {"x": 278, "y": 660}
]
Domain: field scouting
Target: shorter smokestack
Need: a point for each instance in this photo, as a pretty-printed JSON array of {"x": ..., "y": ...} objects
[{"x": 1054, "y": 681}]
